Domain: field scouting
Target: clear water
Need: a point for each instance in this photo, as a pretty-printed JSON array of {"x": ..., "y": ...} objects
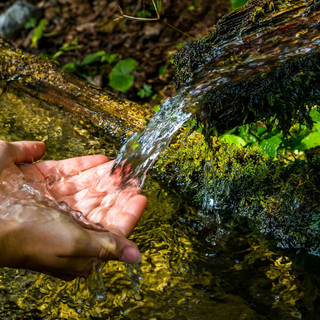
[
  {"x": 188, "y": 270},
  {"x": 142, "y": 149}
]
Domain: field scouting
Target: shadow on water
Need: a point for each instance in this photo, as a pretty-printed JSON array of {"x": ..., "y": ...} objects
[{"x": 190, "y": 269}]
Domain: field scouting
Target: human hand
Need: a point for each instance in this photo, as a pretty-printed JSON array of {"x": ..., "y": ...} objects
[{"x": 50, "y": 241}]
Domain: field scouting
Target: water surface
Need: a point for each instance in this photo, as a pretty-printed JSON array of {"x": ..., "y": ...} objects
[{"x": 190, "y": 269}]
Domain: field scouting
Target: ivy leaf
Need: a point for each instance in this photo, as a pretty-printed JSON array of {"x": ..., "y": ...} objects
[
  {"x": 271, "y": 145},
  {"x": 120, "y": 77}
]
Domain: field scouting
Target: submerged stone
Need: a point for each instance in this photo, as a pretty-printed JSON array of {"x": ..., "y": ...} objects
[{"x": 261, "y": 63}]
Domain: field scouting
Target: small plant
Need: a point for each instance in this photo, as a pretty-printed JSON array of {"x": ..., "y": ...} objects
[
  {"x": 120, "y": 77},
  {"x": 38, "y": 33},
  {"x": 80, "y": 66},
  {"x": 31, "y": 23},
  {"x": 300, "y": 137},
  {"x": 69, "y": 46},
  {"x": 145, "y": 91}
]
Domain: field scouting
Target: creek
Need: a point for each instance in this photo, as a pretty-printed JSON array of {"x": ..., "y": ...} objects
[{"x": 188, "y": 270}]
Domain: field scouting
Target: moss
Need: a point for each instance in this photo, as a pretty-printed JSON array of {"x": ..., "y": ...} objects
[
  {"x": 243, "y": 186},
  {"x": 261, "y": 63},
  {"x": 285, "y": 93}
]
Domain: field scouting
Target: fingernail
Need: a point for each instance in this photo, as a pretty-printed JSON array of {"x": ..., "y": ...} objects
[{"x": 130, "y": 255}]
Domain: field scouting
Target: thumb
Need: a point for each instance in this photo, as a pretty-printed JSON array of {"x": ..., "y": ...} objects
[
  {"x": 25, "y": 151},
  {"x": 116, "y": 247},
  {"x": 19, "y": 152}
]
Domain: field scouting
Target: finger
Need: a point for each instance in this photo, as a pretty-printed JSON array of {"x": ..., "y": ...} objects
[
  {"x": 120, "y": 219},
  {"x": 115, "y": 247},
  {"x": 104, "y": 246},
  {"x": 23, "y": 151},
  {"x": 31, "y": 172},
  {"x": 70, "y": 167}
]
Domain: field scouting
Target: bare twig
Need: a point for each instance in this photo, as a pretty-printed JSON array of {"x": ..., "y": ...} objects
[
  {"x": 157, "y": 18},
  {"x": 122, "y": 15}
]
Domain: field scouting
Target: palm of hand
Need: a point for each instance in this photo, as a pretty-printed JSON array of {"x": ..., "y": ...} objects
[{"x": 86, "y": 185}]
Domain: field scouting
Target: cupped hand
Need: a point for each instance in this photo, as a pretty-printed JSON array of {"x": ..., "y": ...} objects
[{"x": 65, "y": 248}]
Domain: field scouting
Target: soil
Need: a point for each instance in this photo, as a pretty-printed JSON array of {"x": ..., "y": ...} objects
[{"x": 150, "y": 43}]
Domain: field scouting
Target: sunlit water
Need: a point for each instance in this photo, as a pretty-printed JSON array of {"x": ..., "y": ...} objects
[
  {"x": 188, "y": 270},
  {"x": 142, "y": 149}
]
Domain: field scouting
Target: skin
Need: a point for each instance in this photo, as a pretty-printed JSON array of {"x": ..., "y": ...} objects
[{"x": 41, "y": 236}]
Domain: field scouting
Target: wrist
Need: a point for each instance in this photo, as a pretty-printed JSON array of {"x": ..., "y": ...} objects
[{"x": 10, "y": 247}]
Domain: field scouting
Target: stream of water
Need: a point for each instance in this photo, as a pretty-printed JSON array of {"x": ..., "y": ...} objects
[
  {"x": 227, "y": 63},
  {"x": 142, "y": 149},
  {"x": 189, "y": 271}
]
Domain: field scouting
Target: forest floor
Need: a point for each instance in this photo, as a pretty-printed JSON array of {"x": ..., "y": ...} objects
[{"x": 92, "y": 26}]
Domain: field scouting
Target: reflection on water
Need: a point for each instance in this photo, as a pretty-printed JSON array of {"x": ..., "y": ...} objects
[{"x": 188, "y": 271}]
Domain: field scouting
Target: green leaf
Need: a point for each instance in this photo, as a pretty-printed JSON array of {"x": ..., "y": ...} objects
[
  {"x": 233, "y": 139},
  {"x": 92, "y": 57},
  {"x": 235, "y": 4},
  {"x": 144, "y": 14},
  {"x": 271, "y": 145},
  {"x": 121, "y": 82},
  {"x": 31, "y": 23},
  {"x": 156, "y": 108},
  {"x": 310, "y": 141},
  {"x": 315, "y": 115},
  {"x": 109, "y": 57},
  {"x": 38, "y": 33},
  {"x": 261, "y": 130},
  {"x": 70, "y": 66},
  {"x": 124, "y": 66},
  {"x": 159, "y": 5},
  {"x": 145, "y": 91},
  {"x": 162, "y": 70},
  {"x": 120, "y": 77}
]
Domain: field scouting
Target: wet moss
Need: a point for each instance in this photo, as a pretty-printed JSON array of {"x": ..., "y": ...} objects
[
  {"x": 243, "y": 187},
  {"x": 262, "y": 63},
  {"x": 286, "y": 94}
]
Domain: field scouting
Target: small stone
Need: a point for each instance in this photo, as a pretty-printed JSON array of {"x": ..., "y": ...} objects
[{"x": 15, "y": 17}]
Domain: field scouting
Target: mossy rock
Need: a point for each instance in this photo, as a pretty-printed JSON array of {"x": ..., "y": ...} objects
[
  {"x": 243, "y": 187},
  {"x": 261, "y": 63}
]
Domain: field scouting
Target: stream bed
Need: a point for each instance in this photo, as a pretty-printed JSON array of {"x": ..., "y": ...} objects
[{"x": 188, "y": 271}]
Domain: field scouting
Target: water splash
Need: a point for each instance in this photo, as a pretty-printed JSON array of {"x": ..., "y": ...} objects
[{"x": 142, "y": 149}]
